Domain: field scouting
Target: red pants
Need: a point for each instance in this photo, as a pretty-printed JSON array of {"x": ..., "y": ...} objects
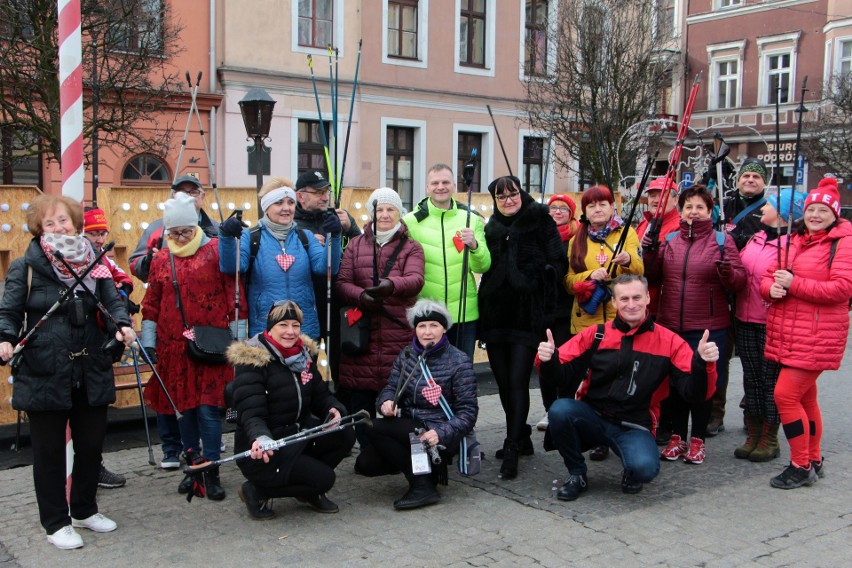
[{"x": 796, "y": 399}]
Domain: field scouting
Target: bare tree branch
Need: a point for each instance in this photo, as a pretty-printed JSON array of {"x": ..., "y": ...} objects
[{"x": 830, "y": 136}]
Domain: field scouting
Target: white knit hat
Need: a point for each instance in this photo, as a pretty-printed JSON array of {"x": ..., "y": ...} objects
[
  {"x": 180, "y": 211},
  {"x": 382, "y": 196}
]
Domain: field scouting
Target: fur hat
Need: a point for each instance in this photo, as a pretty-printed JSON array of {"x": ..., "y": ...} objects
[
  {"x": 753, "y": 165},
  {"x": 94, "y": 220},
  {"x": 180, "y": 211},
  {"x": 385, "y": 196},
  {"x": 825, "y": 193}
]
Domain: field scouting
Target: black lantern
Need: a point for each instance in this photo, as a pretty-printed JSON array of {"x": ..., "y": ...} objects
[{"x": 256, "y": 108}]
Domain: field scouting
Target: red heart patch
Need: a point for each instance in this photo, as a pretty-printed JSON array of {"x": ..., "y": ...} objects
[
  {"x": 353, "y": 315},
  {"x": 306, "y": 376},
  {"x": 189, "y": 334},
  {"x": 432, "y": 394},
  {"x": 100, "y": 271},
  {"x": 458, "y": 242},
  {"x": 285, "y": 261}
]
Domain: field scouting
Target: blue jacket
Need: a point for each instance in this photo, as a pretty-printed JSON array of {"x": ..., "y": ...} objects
[{"x": 270, "y": 283}]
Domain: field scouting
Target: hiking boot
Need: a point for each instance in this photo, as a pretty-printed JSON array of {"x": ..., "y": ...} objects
[
  {"x": 793, "y": 477},
  {"x": 575, "y": 484},
  {"x": 599, "y": 453},
  {"x": 110, "y": 480},
  {"x": 320, "y": 503},
  {"x": 754, "y": 426},
  {"x": 259, "y": 509},
  {"x": 214, "y": 485},
  {"x": 674, "y": 450},
  {"x": 630, "y": 485},
  {"x": 186, "y": 485},
  {"x": 65, "y": 538},
  {"x": 421, "y": 492},
  {"x": 696, "y": 453},
  {"x": 509, "y": 468},
  {"x": 818, "y": 465},
  {"x": 767, "y": 448}
]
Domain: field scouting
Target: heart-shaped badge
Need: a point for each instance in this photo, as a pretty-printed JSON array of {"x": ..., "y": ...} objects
[
  {"x": 285, "y": 261},
  {"x": 432, "y": 394},
  {"x": 189, "y": 334},
  {"x": 458, "y": 242},
  {"x": 100, "y": 272},
  {"x": 353, "y": 315},
  {"x": 306, "y": 376}
]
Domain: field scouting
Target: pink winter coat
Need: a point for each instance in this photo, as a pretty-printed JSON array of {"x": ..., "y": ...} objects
[
  {"x": 371, "y": 370},
  {"x": 758, "y": 256},
  {"x": 807, "y": 328}
]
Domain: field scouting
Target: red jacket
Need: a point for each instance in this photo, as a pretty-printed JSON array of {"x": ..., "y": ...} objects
[
  {"x": 671, "y": 223},
  {"x": 693, "y": 295},
  {"x": 370, "y": 371},
  {"x": 807, "y": 329}
]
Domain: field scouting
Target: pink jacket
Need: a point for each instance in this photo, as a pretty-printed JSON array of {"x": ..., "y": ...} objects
[
  {"x": 807, "y": 328},
  {"x": 757, "y": 256}
]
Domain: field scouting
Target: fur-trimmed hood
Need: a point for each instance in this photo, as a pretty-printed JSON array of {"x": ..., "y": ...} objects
[{"x": 253, "y": 352}]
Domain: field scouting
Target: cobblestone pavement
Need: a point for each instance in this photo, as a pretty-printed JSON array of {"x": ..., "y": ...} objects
[{"x": 721, "y": 513}]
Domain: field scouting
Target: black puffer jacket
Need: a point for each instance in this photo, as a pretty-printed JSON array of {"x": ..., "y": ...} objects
[
  {"x": 453, "y": 372},
  {"x": 517, "y": 296},
  {"x": 47, "y": 372},
  {"x": 273, "y": 401}
]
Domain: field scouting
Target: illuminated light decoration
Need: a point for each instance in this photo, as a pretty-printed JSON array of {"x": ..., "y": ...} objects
[
  {"x": 357, "y": 205},
  {"x": 11, "y": 379},
  {"x": 25, "y": 206},
  {"x": 6, "y": 227},
  {"x": 25, "y": 228},
  {"x": 126, "y": 226},
  {"x": 145, "y": 285},
  {"x": 214, "y": 206},
  {"x": 143, "y": 225},
  {"x": 143, "y": 206},
  {"x": 4, "y": 207},
  {"x": 246, "y": 206},
  {"x": 125, "y": 206},
  {"x": 231, "y": 206},
  {"x": 161, "y": 206},
  {"x": 364, "y": 218}
]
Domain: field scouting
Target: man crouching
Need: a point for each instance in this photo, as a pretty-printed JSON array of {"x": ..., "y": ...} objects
[{"x": 622, "y": 369}]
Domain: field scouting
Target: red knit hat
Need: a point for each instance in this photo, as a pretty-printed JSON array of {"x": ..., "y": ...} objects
[
  {"x": 825, "y": 193},
  {"x": 562, "y": 197},
  {"x": 94, "y": 220}
]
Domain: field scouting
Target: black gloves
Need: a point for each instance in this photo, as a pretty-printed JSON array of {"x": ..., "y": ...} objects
[
  {"x": 369, "y": 303},
  {"x": 152, "y": 354},
  {"x": 231, "y": 227},
  {"x": 331, "y": 224},
  {"x": 382, "y": 290}
]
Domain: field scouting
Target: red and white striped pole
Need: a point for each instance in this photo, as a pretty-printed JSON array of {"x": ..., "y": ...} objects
[{"x": 71, "y": 134}]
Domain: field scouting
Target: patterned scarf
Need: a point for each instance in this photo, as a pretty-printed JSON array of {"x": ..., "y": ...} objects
[
  {"x": 295, "y": 358},
  {"x": 600, "y": 235},
  {"x": 77, "y": 252}
]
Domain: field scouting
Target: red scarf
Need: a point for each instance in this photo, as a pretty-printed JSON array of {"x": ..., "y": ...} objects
[
  {"x": 565, "y": 232},
  {"x": 285, "y": 351}
]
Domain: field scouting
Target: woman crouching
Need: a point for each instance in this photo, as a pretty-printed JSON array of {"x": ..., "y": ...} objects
[
  {"x": 278, "y": 391},
  {"x": 408, "y": 405}
]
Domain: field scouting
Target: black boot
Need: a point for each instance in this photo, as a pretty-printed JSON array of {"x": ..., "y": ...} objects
[
  {"x": 259, "y": 508},
  {"x": 509, "y": 469},
  {"x": 421, "y": 492},
  {"x": 214, "y": 486},
  {"x": 526, "y": 444}
]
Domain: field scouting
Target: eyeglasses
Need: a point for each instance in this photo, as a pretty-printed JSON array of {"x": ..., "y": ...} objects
[
  {"x": 195, "y": 192},
  {"x": 319, "y": 192},
  {"x": 560, "y": 208},
  {"x": 182, "y": 234},
  {"x": 97, "y": 234},
  {"x": 505, "y": 196}
]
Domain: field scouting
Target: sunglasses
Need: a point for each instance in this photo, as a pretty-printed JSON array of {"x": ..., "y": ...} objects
[
  {"x": 505, "y": 196},
  {"x": 182, "y": 234}
]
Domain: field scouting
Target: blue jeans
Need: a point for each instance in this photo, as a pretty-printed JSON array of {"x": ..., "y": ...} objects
[
  {"x": 169, "y": 432},
  {"x": 575, "y": 427},
  {"x": 463, "y": 337},
  {"x": 202, "y": 422}
]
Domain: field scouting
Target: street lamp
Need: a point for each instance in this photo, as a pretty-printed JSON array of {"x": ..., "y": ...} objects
[{"x": 256, "y": 108}]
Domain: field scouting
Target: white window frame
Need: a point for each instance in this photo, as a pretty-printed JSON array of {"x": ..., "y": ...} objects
[
  {"x": 770, "y": 47},
  {"x": 337, "y": 30},
  {"x": 550, "y": 64},
  {"x": 731, "y": 51},
  {"x": 675, "y": 18},
  {"x": 295, "y": 117},
  {"x": 839, "y": 42},
  {"x": 418, "y": 174},
  {"x": 422, "y": 38},
  {"x": 486, "y": 158},
  {"x": 727, "y": 4},
  {"x": 490, "y": 43},
  {"x": 548, "y": 164}
]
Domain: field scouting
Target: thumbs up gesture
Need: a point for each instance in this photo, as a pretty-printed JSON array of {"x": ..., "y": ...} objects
[
  {"x": 546, "y": 349},
  {"x": 707, "y": 349}
]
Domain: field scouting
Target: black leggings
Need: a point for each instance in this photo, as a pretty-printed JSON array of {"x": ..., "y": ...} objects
[
  {"x": 389, "y": 450},
  {"x": 512, "y": 364},
  {"x": 312, "y": 472}
]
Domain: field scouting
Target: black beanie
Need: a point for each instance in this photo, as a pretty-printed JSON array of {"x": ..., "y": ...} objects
[
  {"x": 288, "y": 314},
  {"x": 434, "y": 315}
]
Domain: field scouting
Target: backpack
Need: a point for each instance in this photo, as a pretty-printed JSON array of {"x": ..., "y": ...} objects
[
  {"x": 254, "y": 246},
  {"x": 831, "y": 252},
  {"x": 720, "y": 240}
]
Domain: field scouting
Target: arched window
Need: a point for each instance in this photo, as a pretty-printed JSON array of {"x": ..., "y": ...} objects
[{"x": 145, "y": 169}]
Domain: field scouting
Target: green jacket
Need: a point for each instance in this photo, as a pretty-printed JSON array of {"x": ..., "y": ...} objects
[{"x": 434, "y": 229}]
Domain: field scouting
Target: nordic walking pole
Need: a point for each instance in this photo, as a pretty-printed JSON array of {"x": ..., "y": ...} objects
[
  {"x": 471, "y": 169},
  {"x": 332, "y": 143},
  {"x": 211, "y": 160},
  {"x": 500, "y": 140},
  {"x": 321, "y": 124},
  {"x": 800, "y": 111},
  {"x": 349, "y": 124},
  {"x": 721, "y": 151},
  {"x": 612, "y": 269},
  {"x": 142, "y": 405},
  {"x": 239, "y": 215},
  {"x": 777, "y": 170},
  {"x": 185, "y": 130}
]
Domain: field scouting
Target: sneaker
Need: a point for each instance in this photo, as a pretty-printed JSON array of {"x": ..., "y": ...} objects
[
  {"x": 66, "y": 538},
  {"x": 96, "y": 522},
  {"x": 599, "y": 453},
  {"x": 542, "y": 424},
  {"x": 715, "y": 427},
  {"x": 629, "y": 485},
  {"x": 110, "y": 480},
  {"x": 696, "y": 453},
  {"x": 674, "y": 450},
  {"x": 817, "y": 466},
  {"x": 170, "y": 461},
  {"x": 793, "y": 477},
  {"x": 573, "y": 486}
]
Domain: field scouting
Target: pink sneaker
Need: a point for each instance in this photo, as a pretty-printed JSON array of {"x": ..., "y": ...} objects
[
  {"x": 674, "y": 450},
  {"x": 696, "y": 453}
]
